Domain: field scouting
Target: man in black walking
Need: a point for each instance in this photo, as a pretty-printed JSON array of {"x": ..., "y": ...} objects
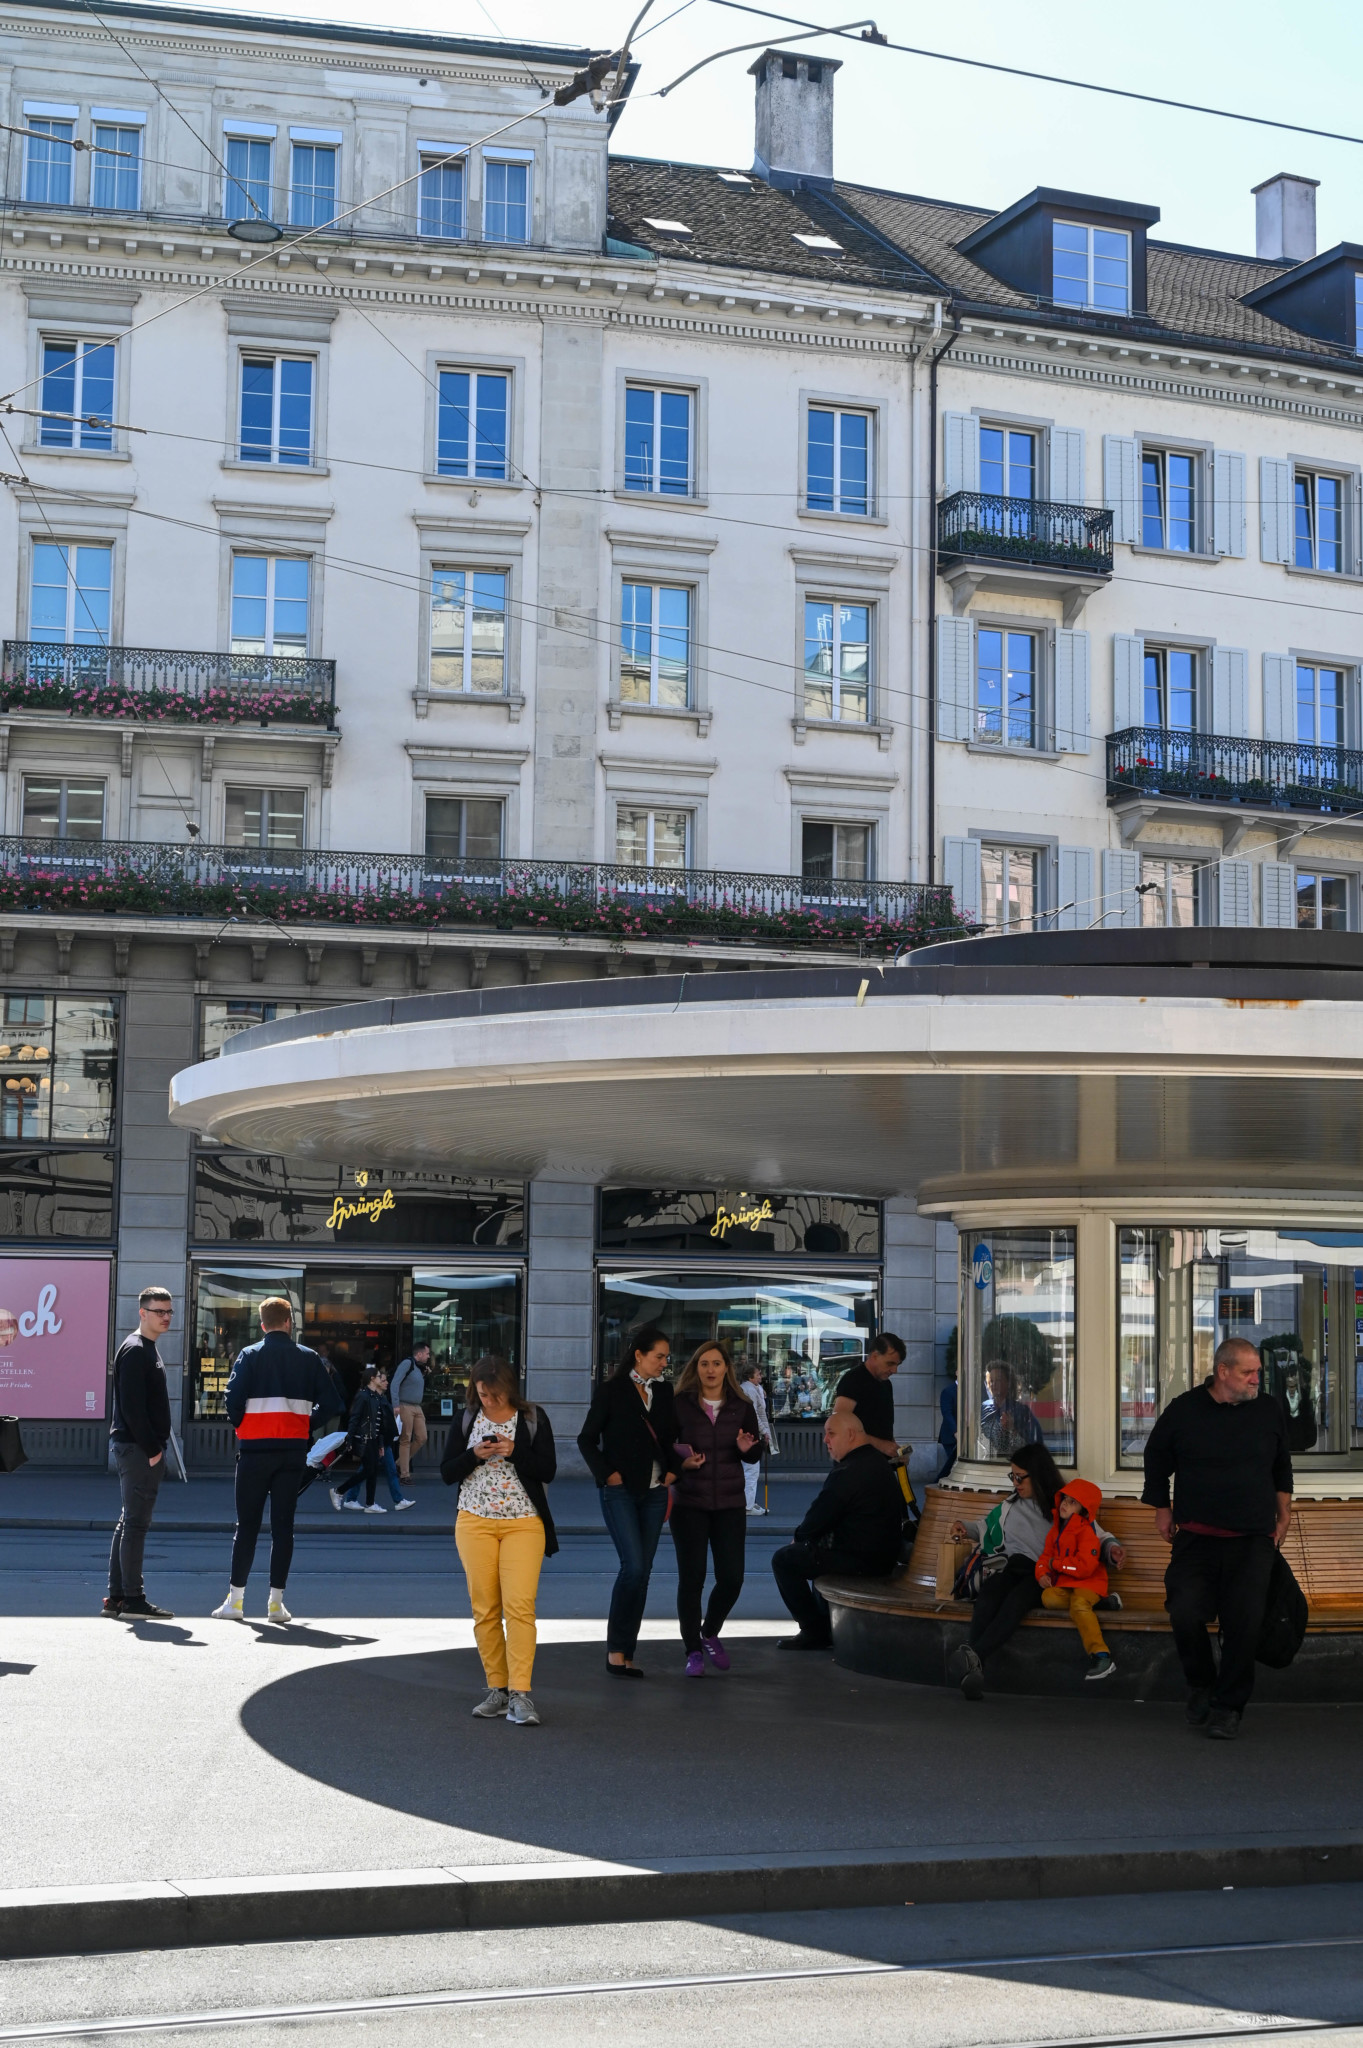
[
  {"x": 1226, "y": 1451},
  {"x": 851, "y": 1528},
  {"x": 866, "y": 1392},
  {"x": 272, "y": 1391},
  {"x": 139, "y": 1433}
]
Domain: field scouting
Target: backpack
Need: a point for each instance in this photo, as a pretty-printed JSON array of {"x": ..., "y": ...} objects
[{"x": 1283, "y": 1628}]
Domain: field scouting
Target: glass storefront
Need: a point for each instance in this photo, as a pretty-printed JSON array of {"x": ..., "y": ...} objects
[
  {"x": 58, "y": 1081},
  {"x": 254, "y": 1198},
  {"x": 1017, "y": 1341},
  {"x": 1295, "y": 1294}
]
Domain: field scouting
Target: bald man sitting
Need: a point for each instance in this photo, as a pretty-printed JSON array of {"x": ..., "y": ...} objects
[{"x": 852, "y": 1530}]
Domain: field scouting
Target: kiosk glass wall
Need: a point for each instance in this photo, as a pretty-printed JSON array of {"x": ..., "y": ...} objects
[{"x": 1017, "y": 1341}]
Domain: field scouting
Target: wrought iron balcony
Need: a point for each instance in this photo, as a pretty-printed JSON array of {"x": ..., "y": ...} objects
[
  {"x": 1024, "y": 532},
  {"x": 285, "y": 885},
  {"x": 1206, "y": 768},
  {"x": 167, "y": 684}
]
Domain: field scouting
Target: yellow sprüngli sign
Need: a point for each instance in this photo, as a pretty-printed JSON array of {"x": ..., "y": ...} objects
[
  {"x": 739, "y": 1219},
  {"x": 371, "y": 1207}
]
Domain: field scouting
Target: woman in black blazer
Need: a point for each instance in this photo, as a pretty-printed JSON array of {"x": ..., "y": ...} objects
[{"x": 629, "y": 1444}]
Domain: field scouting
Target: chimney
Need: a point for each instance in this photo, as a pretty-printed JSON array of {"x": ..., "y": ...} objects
[
  {"x": 1285, "y": 218},
  {"x": 794, "y": 142}
]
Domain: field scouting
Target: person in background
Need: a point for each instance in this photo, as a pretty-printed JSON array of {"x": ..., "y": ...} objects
[
  {"x": 719, "y": 1427},
  {"x": 629, "y": 1444},
  {"x": 751, "y": 1385},
  {"x": 1005, "y": 1419},
  {"x": 348, "y": 1497},
  {"x": 866, "y": 1392},
  {"x": 373, "y": 1430},
  {"x": 408, "y": 1391},
  {"x": 139, "y": 1433},
  {"x": 946, "y": 1435},
  {"x": 1070, "y": 1570},
  {"x": 851, "y": 1528},
  {"x": 501, "y": 1457}
]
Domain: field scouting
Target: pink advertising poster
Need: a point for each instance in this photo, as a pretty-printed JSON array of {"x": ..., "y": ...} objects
[{"x": 54, "y": 1337}]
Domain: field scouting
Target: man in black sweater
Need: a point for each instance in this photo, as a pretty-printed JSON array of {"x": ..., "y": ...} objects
[
  {"x": 852, "y": 1529},
  {"x": 139, "y": 1433},
  {"x": 1226, "y": 1451},
  {"x": 866, "y": 1392}
]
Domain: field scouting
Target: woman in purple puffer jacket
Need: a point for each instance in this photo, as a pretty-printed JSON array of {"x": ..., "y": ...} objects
[{"x": 709, "y": 1509}]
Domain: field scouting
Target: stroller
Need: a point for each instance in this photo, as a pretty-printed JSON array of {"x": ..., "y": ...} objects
[{"x": 334, "y": 1459}]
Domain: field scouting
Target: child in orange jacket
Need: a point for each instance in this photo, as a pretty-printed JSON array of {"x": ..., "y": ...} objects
[{"x": 1071, "y": 1573}]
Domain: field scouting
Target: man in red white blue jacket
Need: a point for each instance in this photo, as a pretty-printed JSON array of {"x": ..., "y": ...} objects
[{"x": 274, "y": 1387}]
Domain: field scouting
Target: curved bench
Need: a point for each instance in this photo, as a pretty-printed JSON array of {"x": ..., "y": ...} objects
[{"x": 898, "y": 1628}]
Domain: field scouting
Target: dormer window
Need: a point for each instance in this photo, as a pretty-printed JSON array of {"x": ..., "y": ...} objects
[
  {"x": 1091, "y": 267},
  {"x": 1322, "y": 297}
]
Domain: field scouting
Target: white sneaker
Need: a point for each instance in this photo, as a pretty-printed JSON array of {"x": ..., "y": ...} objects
[
  {"x": 232, "y": 1609},
  {"x": 337, "y": 1498},
  {"x": 494, "y": 1706},
  {"x": 757, "y": 1511},
  {"x": 521, "y": 1711},
  {"x": 277, "y": 1611},
  {"x": 399, "y": 1505},
  {"x": 356, "y": 1506},
  {"x": 376, "y": 1508}
]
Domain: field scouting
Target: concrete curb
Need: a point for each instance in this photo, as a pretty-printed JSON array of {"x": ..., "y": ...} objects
[{"x": 337, "y": 1905}]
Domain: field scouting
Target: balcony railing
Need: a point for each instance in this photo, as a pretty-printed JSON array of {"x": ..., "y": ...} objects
[
  {"x": 167, "y": 683},
  {"x": 1029, "y": 532},
  {"x": 146, "y": 879},
  {"x": 1286, "y": 775}
]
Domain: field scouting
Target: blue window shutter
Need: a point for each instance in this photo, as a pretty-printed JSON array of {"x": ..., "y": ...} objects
[
  {"x": 961, "y": 872},
  {"x": 1072, "y": 693},
  {"x": 1121, "y": 473},
  {"x": 960, "y": 452},
  {"x": 1076, "y": 907},
  {"x": 1121, "y": 904},
  {"x": 1230, "y": 692},
  {"x": 1067, "y": 466},
  {"x": 955, "y": 678},
  {"x": 1280, "y": 697},
  {"x": 1228, "y": 503},
  {"x": 1275, "y": 509},
  {"x": 1278, "y": 894},
  {"x": 1128, "y": 681}
]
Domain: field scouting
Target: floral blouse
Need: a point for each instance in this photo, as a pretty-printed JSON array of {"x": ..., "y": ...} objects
[{"x": 494, "y": 1489}]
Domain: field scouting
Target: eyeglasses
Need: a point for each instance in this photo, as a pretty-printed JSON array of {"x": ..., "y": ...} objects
[
  {"x": 157, "y": 1310},
  {"x": 1019, "y": 1478}
]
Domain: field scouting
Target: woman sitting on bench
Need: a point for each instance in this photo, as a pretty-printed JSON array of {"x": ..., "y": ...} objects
[{"x": 1012, "y": 1537}]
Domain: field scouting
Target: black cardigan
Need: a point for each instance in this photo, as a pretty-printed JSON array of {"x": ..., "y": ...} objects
[
  {"x": 533, "y": 1460},
  {"x": 617, "y": 1437}
]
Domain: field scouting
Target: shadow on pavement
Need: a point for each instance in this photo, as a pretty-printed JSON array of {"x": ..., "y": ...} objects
[
  {"x": 16, "y": 1670},
  {"x": 158, "y": 1632},
  {"x": 299, "y": 1635}
]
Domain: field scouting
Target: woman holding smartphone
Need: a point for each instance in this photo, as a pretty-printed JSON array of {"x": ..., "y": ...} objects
[
  {"x": 500, "y": 1454},
  {"x": 718, "y": 1429},
  {"x": 629, "y": 1444}
]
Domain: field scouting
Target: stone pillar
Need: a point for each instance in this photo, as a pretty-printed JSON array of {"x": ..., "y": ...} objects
[
  {"x": 559, "y": 1310},
  {"x": 158, "y": 1039},
  {"x": 909, "y": 1309}
]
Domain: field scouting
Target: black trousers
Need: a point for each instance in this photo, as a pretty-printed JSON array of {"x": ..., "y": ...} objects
[
  {"x": 1002, "y": 1604},
  {"x": 139, "y": 1482},
  {"x": 797, "y": 1566},
  {"x": 1222, "y": 1578},
  {"x": 275, "y": 1476},
  {"x": 721, "y": 1532}
]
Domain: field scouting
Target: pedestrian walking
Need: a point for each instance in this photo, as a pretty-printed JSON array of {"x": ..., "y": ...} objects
[
  {"x": 751, "y": 1385},
  {"x": 408, "y": 1391},
  {"x": 273, "y": 1390},
  {"x": 851, "y": 1527},
  {"x": 139, "y": 1433},
  {"x": 629, "y": 1444},
  {"x": 866, "y": 1392},
  {"x": 717, "y": 1424},
  {"x": 373, "y": 1430},
  {"x": 1225, "y": 1448},
  {"x": 501, "y": 1456}
]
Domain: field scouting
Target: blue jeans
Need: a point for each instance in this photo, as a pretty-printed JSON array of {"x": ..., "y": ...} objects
[
  {"x": 390, "y": 1471},
  {"x": 634, "y": 1523}
]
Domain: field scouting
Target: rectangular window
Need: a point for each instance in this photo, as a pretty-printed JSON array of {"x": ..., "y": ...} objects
[
  {"x": 1171, "y": 892},
  {"x": 63, "y": 807},
  {"x": 506, "y": 201},
  {"x": 1091, "y": 267},
  {"x": 658, "y": 441},
  {"x": 1017, "y": 1342},
  {"x": 48, "y": 158},
  {"x": 1322, "y": 902},
  {"x": 269, "y": 604},
  {"x": 276, "y": 409},
  {"x": 652, "y": 839},
  {"x": 1320, "y": 705},
  {"x": 463, "y": 828},
  {"x": 1169, "y": 501},
  {"x": 58, "y": 1059},
  {"x": 116, "y": 172},
  {"x": 1008, "y": 887},
  {"x": 1005, "y": 688},
  {"x": 472, "y": 416},
  {"x": 655, "y": 644},
  {"x": 248, "y": 179},
  {"x": 1358, "y": 312},
  {"x": 1171, "y": 688},
  {"x": 1007, "y": 463},
  {"x": 69, "y": 594},
  {"x": 1320, "y": 522},
  {"x": 78, "y": 395},
  {"x": 839, "y": 853},
  {"x": 838, "y": 472},
  {"x": 441, "y": 207},
  {"x": 837, "y": 661},
  {"x": 265, "y": 817},
  {"x": 312, "y": 188},
  {"x": 468, "y": 631}
]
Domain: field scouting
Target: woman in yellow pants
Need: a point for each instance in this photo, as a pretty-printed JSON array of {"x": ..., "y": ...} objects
[{"x": 501, "y": 1456}]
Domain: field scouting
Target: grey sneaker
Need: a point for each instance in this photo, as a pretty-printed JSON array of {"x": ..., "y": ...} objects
[
  {"x": 521, "y": 1712},
  {"x": 493, "y": 1707}
]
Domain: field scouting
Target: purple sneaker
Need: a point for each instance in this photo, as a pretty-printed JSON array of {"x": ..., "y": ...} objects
[
  {"x": 695, "y": 1665},
  {"x": 716, "y": 1652}
]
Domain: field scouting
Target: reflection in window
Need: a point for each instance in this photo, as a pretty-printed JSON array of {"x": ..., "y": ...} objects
[
  {"x": 652, "y": 839},
  {"x": 269, "y": 605},
  {"x": 227, "y": 1319},
  {"x": 837, "y": 661},
  {"x": 58, "y": 1061},
  {"x": 1322, "y": 902},
  {"x": 1171, "y": 689},
  {"x": 468, "y": 631},
  {"x": 221, "y": 1020},
  {"x": 1017, "y": 1353},
  {"x": 1007, "y": 463},
  {"x": 1319, "y": 538},
  {"x": 1320, "y": 705},
  {"x": 1169, "y": 501},
  {"x": 1005, "y": 688},
  {"x": 276, "y": 409},
  {"x": 1091, "y": 267},
  {"x": 1170, "y": 892},
  {"x": 1008, "y": 891},
  {"x": 78, "y": 395},
  {"x": 838, "y": 476},
  {"x": 471, "y": 424},
  {"x": 655, "y": 644},
  {"x": 463, "y": 1316},
  {"x": 70, "y": 592},
  {"x": 658, "y": 441}
]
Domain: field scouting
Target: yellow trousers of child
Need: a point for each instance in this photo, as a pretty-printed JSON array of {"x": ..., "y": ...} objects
[
  {"x": 1078, "y": 1601},
  {"x": 501, "y": 1560}
]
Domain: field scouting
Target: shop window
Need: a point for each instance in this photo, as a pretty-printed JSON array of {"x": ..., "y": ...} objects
[
  {"x": 1017, "y": 1349},
  {"x": 463, "y": 828},
  {"x": 58, "y": 1065},
  {"x": 1296, "y": 1295},
  {"x": 226, "y": 1319},
  {"x": 53, "y": 1197},
  {"x": 463, "y": 1316}
]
